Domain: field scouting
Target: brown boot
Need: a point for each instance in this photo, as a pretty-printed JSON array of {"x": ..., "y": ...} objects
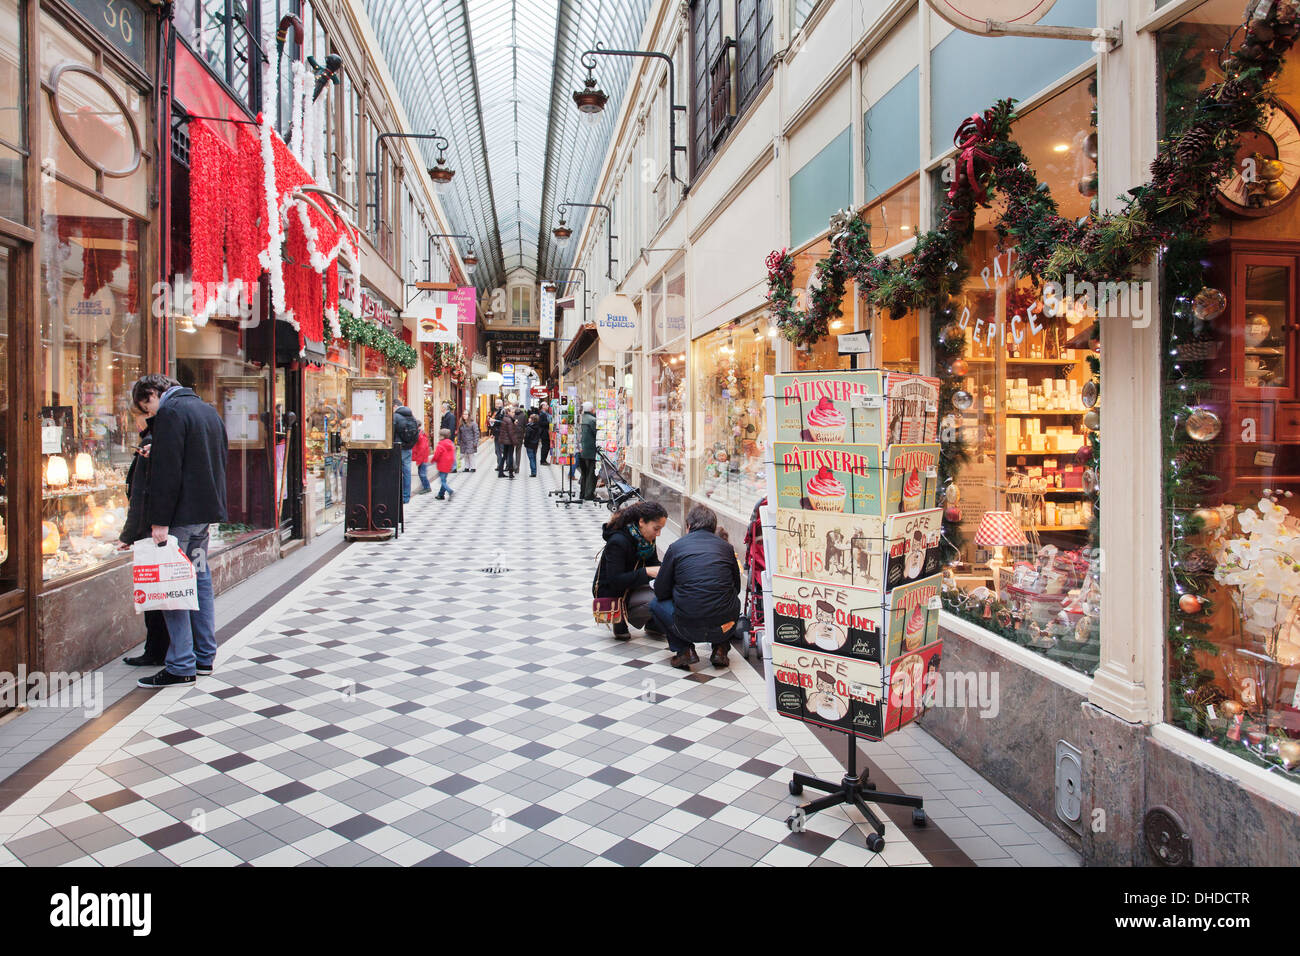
[
  {"x": 695, "y": 658},
  {"x": 681, "y": 661},
  {"x": 719, "y": 656}
]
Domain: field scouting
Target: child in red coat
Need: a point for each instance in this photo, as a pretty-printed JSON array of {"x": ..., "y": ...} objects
[
  {"x": 444, "y": 457},
  {"x": 420, "y": 455}
]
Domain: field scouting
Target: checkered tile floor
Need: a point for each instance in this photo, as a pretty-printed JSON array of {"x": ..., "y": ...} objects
[{"x": 444, "y": 700}]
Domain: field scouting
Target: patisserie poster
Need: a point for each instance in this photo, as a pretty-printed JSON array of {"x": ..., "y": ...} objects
[
  {"x": 831, "y": 548},
  {"x": 913, "y": 550},
  {"x": 831, "y": 407},
  {"x": 913, "y": 409},
  {"x": 843, "y": 479},
  {"x": 912, "y": 479},
  {"x": 912, "y": 618},
  {"x": 911, "y": 677},
  {"x": 833, "y": 618},
  {"x": 827, "y": 690}
]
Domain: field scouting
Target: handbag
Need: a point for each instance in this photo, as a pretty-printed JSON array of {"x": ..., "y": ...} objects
[{"x": 607, "y": 610}]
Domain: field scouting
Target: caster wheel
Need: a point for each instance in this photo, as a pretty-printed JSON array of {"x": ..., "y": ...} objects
[
  {"x": 791, "y": 822},
  {"x": 875, "y": 843},
  {"x": 918, "y": 818},
  {"x": 795, "y": 788}
]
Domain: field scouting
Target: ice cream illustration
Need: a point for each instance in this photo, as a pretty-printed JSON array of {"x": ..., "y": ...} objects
[
  {"x": 825, "y": 491},
  {"x": 826, "y": 422},
  {"x": 914, "y": 633},
  {"x": 912, "y": 491}
]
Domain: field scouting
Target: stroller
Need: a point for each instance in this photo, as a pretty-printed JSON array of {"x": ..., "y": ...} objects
[
  {"x": 618, "y": 489},
  {"x": 750, "y": 625}
]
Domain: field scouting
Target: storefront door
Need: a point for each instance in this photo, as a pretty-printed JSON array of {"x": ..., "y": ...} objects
[
  {"x": 13, "y": 598},
  {"x": 288, "y": 450}
]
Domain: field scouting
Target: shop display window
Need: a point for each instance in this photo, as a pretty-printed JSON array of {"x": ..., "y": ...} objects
[
  {"x": 1231, "y": 334},
  {"x": 91, "y": 347},
  {"x": 730, "y": 365},
  {"x": 1023, "y": 505},
  {"x": 667, "y": 436},
  {"x": 7, "y": 573}
]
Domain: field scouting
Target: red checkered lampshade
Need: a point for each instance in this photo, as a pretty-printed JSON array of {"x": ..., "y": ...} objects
[{"x": 999, "y": 528}]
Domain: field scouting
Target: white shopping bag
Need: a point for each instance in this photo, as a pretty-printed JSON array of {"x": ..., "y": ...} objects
[{"x": 163, "y": 578}]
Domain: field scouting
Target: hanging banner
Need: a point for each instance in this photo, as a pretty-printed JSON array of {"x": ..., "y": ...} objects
[
  {"x": 465, "y": 299},
  {"x": 437, "y": 319},
  {"x": 547, "y": 312},
  {"x": 617, "y": 323}
]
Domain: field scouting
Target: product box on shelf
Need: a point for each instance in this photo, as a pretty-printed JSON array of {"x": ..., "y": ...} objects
[
  {"x": 861, "y": 551},
  {"x": 833, "y": 478},
  {"x": 852, "y": 622},
  {"x": 853, "y": 696}
]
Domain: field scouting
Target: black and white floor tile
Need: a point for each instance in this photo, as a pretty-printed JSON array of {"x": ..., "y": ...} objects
[{"x": 445, "y": 699}]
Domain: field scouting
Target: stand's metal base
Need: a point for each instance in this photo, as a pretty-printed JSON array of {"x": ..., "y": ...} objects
[
  {"x": 853, "y": 790},
  {"x": 379, "y": 534}
]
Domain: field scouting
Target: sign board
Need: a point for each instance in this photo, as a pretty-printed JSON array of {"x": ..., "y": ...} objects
[
  {"x": 437, "y": 320},
  {"x": 973, "y": 15},
  {"x": 617, "y": 323},
  {"x": 547, "y": 312},
  {"x": 122, "y": 22},
  {"x": 539, "y": 392},
  {"x": 370, "y": 413},
  {"x": 508, "y": 374},
  {"x": 853, "y": 342},
  {"x": 465, "y": 298}
]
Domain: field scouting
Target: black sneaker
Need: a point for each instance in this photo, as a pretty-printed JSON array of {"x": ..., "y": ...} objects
[
  {"x": 142, "y": 661},
  {"x": 164, "y": 678},
  {"x": 203, "y": 670}
]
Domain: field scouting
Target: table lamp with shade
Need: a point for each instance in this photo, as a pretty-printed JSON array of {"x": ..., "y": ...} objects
[{"x": 999, "y": 530}]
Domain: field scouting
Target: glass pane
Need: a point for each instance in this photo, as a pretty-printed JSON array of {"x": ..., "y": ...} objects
[
  {"x": 12, "y": 126},
  {"x": 823, "y": 355},
  {"x": 91, "y": 346},
  {"x": 327, "y": 468},
  {"x": 12, "y": 178},
  {"x": 1264, "y": 334},
  {"x": 729, "y": 368},
  {"x": 667, "y": 420},
  {"x": 1024, "y": 501},
  {"x": 6, "y": 291}
]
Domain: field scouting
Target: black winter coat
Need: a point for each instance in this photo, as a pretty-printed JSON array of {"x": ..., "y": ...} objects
[
  {"x": 449, "y": 423},
  {"x": 532, "y": 434},
  {"x": 702, "y": 579},
  {"x": 404, "y": 420},
  {"x": 620, "y": 570},
  {"x": 187, "y": 466},
  {"x": 137, "y": 492}
]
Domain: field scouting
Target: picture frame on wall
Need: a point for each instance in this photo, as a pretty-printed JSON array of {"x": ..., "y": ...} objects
[{"x": 370, "y": 413}]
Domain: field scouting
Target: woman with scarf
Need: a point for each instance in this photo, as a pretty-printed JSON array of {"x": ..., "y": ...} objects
[{"x": 630, "y": 559}]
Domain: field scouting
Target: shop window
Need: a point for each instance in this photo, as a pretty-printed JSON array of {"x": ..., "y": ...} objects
[
  {"x": 730, "y": 365},
  {"x": 1025, "y": 500},
  {"x": 13, "y": 111},
  {"x": 325, "y": 402},
  {"x": 8, "y": 572},
  {"x": 1231, "y": 336},
  {"x": 667, "y": 436}
]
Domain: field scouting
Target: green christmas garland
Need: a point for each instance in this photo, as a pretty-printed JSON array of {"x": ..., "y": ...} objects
[
  {"x": 373, "y": 337},
  {"x": 1169, "y": 215}
]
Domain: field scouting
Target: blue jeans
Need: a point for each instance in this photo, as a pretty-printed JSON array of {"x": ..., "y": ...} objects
[
  {"x": 532, "y": 458},
  {"x": 424, "y": 476},
  {"x": 193, "y": 633},
  {"x": 406, "y": 476},
  {"x": 446, "y": 488}
]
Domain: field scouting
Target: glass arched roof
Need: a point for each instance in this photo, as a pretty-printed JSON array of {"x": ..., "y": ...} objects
[{"x": 496, "y": 78}]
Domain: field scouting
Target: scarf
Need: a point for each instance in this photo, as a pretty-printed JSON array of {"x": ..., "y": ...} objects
[{"x": 645, "y": 550}]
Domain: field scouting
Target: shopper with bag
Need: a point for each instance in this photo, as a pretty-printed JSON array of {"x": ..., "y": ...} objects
[
  {"x": 134, "y": 529},
  {"x": 467, "y": 438},
  {"x": 509, "y": 434},
  {"x": 628, "y": 562},
  {"x": 187, "y": 492},
  {"x": 697, "y": 591}
]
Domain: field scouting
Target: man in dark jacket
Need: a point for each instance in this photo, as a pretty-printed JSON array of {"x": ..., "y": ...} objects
[
  {"x": 697, "y": 591},
  {"x": 448, "y": 421},
  {"x": 544, "y": 419},
  {"x": 521, "y": 419},
  {"x": 406, "y": 433},
  {"x": 509, "y": 434},
  {"x": 187, "y": 492},
  {"x": 134, "y": 528},
  {"x": 494, "y": 428},
  {"x": 532, "y": 435},
  {"x": 587, "y": 452}
]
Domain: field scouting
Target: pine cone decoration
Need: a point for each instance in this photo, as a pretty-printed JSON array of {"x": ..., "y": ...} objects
[
  {"x": 1199, "y": 351},
  {"x": 1162, "y": 168},
  {"x": 1194, "y": 142},
  {"x": 1199, "y": 561}
]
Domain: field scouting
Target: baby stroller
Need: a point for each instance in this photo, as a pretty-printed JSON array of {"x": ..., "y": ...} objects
[
  {"x": 750, "y": 625},
  {"x": 619, "y": 490}
]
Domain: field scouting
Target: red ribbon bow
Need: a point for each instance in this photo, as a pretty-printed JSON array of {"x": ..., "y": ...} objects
[{"x": 973, "y": 131}]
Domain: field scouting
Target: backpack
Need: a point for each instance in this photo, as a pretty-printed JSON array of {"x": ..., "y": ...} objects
[{"x": 406, "y": 431}]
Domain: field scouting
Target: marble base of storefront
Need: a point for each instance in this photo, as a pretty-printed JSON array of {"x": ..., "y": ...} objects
[
  {"x": 1127, "y": 770},
  {"x": 85, "y": 624}
]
